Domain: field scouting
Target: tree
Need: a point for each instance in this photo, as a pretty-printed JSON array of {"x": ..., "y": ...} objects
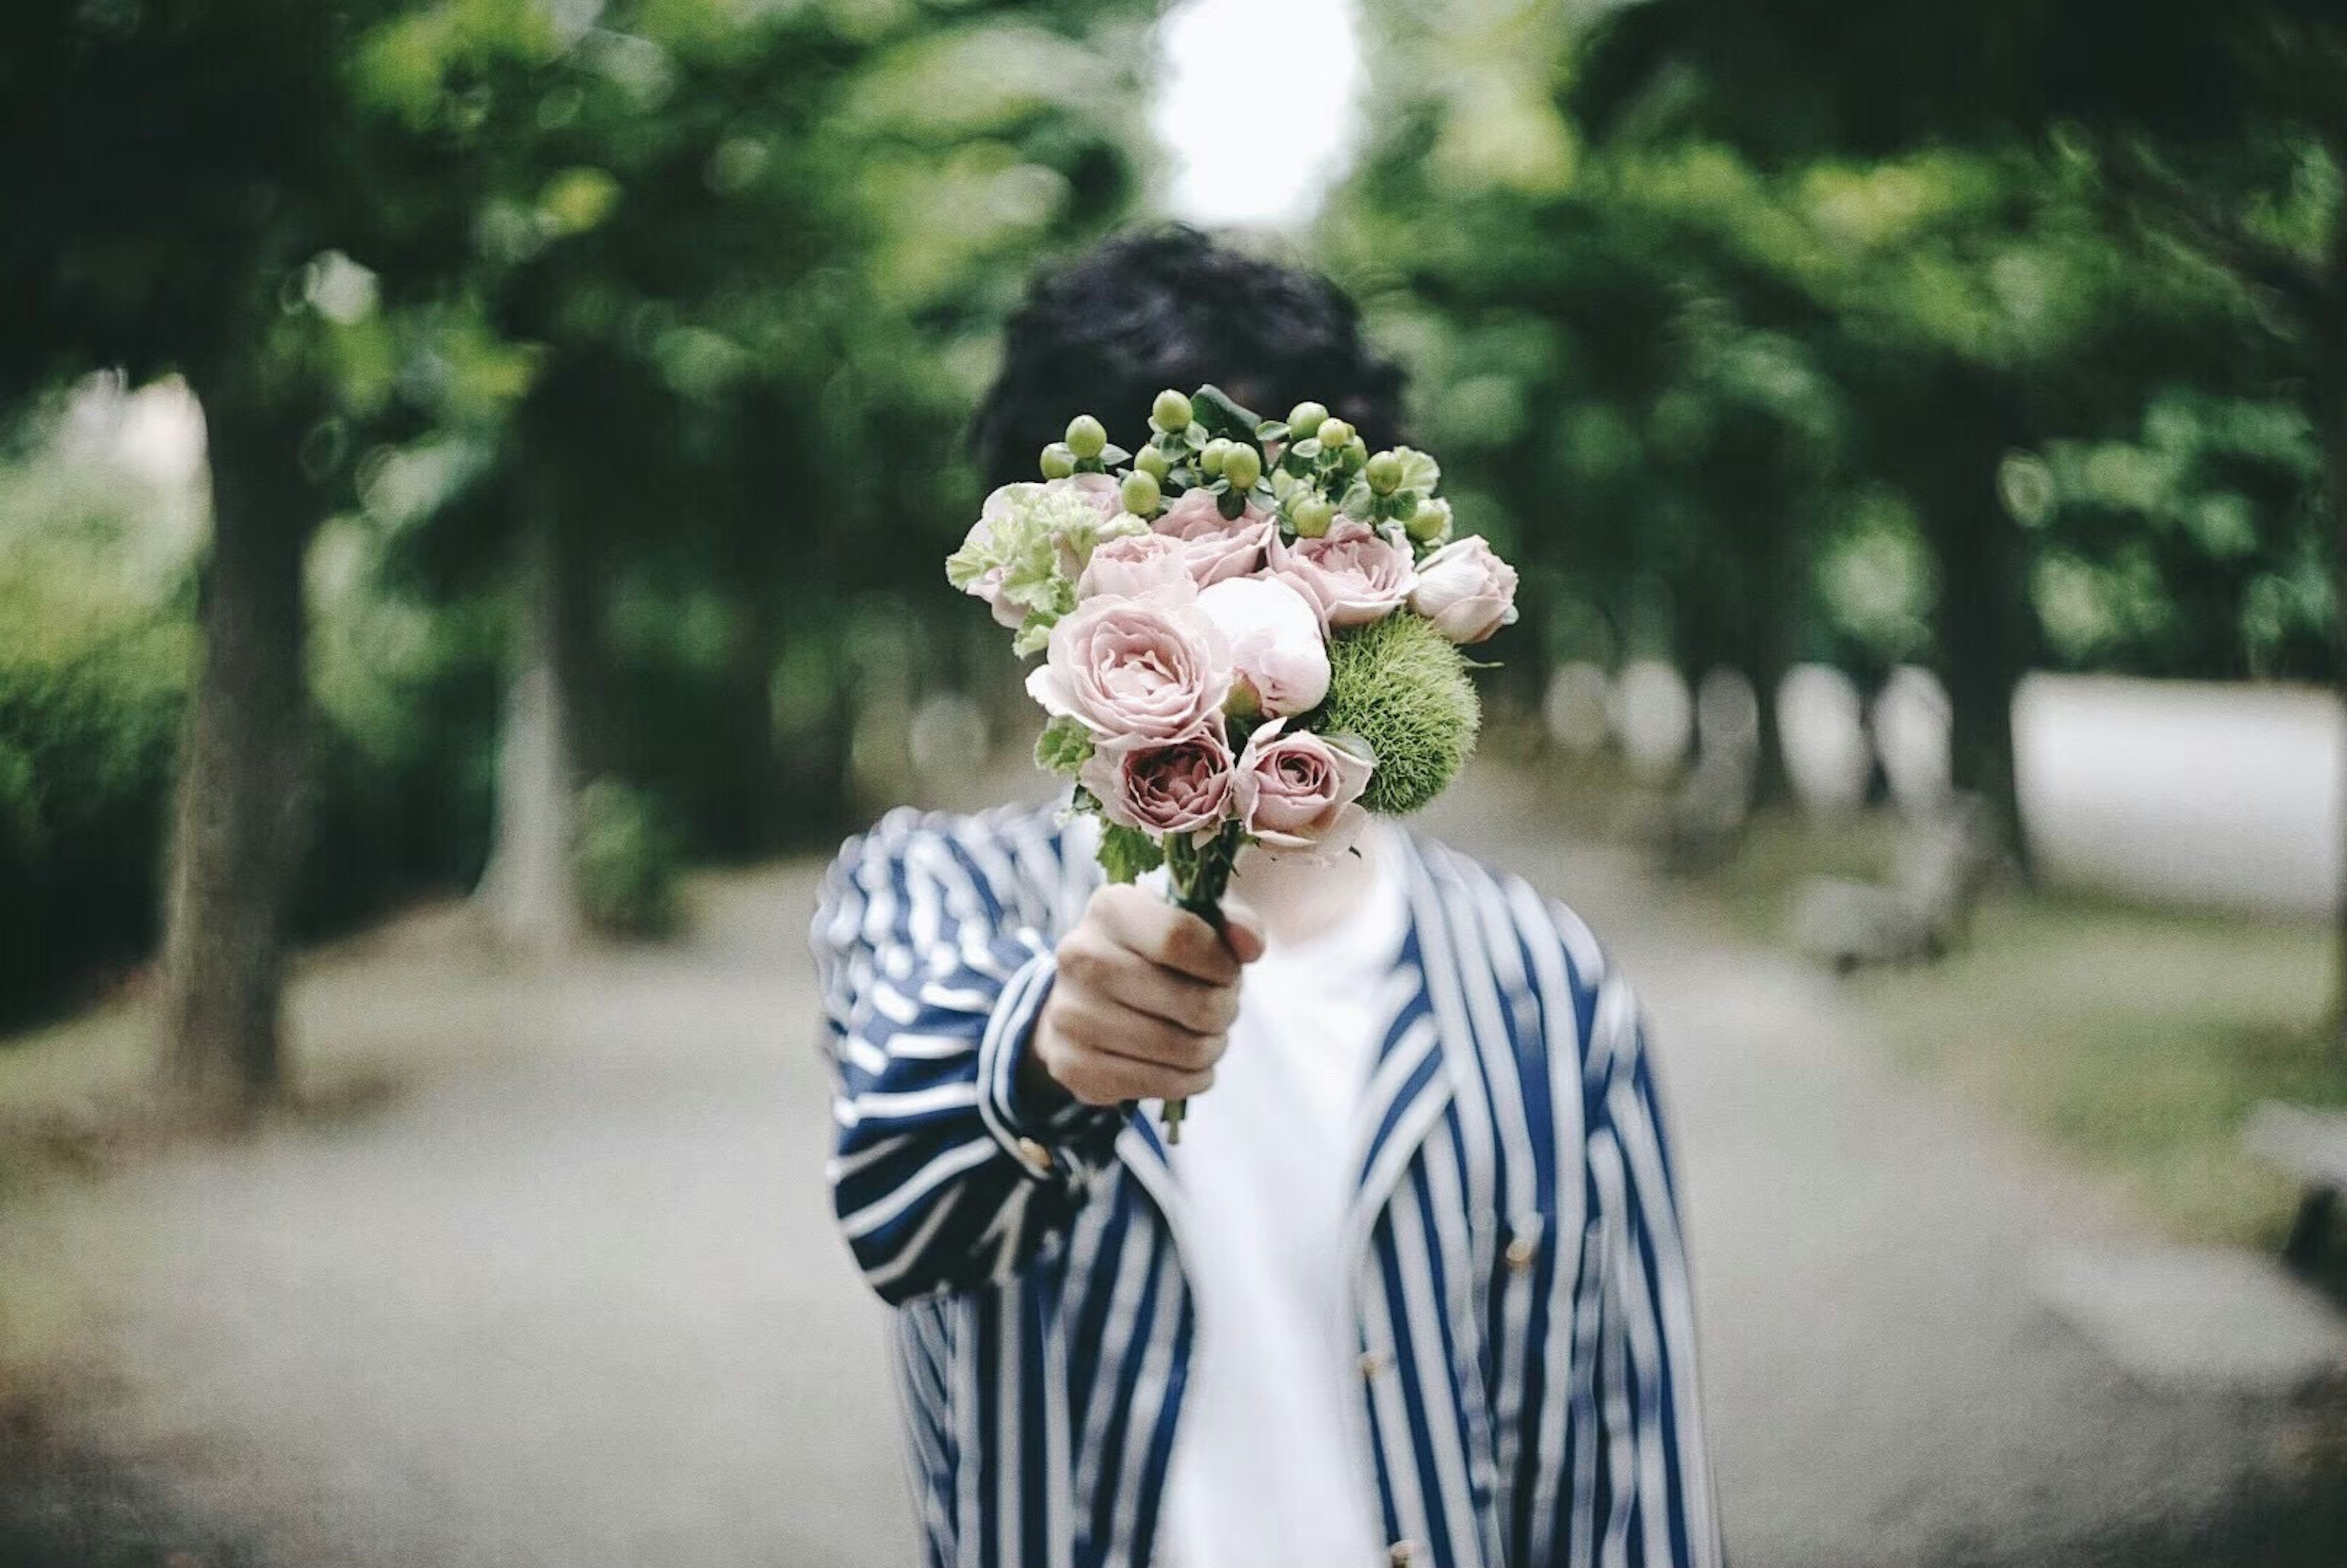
[
  {"x": 611, "y": 278},
  {"x": 2219, "y": 132},
  {"x": 174, "y": 170},
  {"x": 671, "y": 226}
]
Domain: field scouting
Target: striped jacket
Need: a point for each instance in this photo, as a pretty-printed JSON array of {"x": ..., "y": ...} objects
[{"x": 1525, "y": 1329}]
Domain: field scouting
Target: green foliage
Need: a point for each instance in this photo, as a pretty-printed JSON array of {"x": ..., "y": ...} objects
[
  {"x": 1127, "y": 854},
  {"x": 1063, "y": 747},
  {"x": 1727, "y": 330},
  {"x": 626, "y": 858},
  {"x": 1402, "y": 689}
]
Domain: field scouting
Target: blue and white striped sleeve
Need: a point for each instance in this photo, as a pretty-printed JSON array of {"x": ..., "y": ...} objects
[
  {"x": 1653, "y": 1469},
  {"x": 934, "y": 964}
]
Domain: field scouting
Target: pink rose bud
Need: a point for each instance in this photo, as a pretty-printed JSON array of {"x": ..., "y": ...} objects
[
  {"x": 1466, "y": 590},
  {"x": 1145, "y": 669},
  {"x": 1134, "y": 565},
  {"x": 1219, "y": 547},
  {"x": 1184, "y": 786},
  {"x": 1297, "y": 791},
  {"x": 1352, "y": 574},
  {"x": 1278, "y": 651}
]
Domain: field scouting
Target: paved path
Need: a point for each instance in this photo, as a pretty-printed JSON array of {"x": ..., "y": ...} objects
[{"x": 557, "y": 1282}]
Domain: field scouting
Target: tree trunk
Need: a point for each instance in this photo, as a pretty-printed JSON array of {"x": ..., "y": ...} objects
[
  {"x": 1984, "y": 624},
  {"x": 528, "y": 887},
  {"x": 2331, "y": 361},
  {"x": 236, "y": 840}
]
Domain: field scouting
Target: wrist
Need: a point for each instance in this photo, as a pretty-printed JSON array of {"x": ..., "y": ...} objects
[{"x": 1036, "y": 1095}]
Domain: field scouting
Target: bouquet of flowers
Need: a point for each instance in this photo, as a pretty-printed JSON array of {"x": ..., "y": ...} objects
[{"x": 1250, "y": 630}]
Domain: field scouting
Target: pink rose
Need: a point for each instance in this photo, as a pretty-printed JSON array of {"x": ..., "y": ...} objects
[
  {"x": 1145, "y": 669},
  {"x": 1295, "y": 790},
  {"x": 1466, "y": 590},
  {"x": 1134, "y": 565},
  {"x": 1218, "y": 547},
  {"x": 1278, "y": 651},
  {"x": 1100, "y": 489},
  {"x": 1182, "y": 787},
  {"x": 1352, "y": 574}
]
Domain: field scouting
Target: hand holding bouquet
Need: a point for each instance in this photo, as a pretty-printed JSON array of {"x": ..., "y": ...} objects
[{"x": 1250, "y": 631}]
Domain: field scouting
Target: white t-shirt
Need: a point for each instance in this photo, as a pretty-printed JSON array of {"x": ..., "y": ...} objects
[{"x": 1270, "y": 1466}]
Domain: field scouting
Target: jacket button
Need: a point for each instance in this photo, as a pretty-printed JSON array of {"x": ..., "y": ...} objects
[
  {"x": 1374, "y": 1362},
  {"x": 1038, "y": 1158},
  {"x": 1521, "y": 1252},
  {"x": 1402, "y": 1553}
]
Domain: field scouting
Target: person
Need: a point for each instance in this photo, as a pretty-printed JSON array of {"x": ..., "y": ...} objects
[{"x": 1410, "y": 1289}]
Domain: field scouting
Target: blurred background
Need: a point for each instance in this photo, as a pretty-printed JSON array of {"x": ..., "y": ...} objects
[{"x": 473, "y": 487}]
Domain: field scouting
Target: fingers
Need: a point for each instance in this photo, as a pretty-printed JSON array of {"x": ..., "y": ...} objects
[
  {"x": 1113, "y": 1081},
  {"x": 1103, "y": 1053},
  {"x": 1145, "y": 998},
  {"x": 1142, "y": 923},
  {"x": 1109, "y": 1027},
  {"x": 1242, "y": 931}
]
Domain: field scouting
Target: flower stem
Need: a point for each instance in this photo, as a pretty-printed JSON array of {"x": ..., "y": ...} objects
[{"x": 1201, "y": 874}]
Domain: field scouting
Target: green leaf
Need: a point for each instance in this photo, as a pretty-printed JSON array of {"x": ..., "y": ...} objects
[
  {"x": 1212, "y": 408},
  {"x": 1064, "y": 746},
  {"x": 1127, "y": 854},
  {"x": 1271, "y": 430},
  {"x": 1357, "y": 500},
  {"x": 1230, "y": 503},
  {"x": 1305, "y": 450},
  {"x": 1112, "y": 454}
]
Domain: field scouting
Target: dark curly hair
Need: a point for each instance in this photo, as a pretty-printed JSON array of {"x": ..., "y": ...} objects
[{"x": 1170, "y": 307}]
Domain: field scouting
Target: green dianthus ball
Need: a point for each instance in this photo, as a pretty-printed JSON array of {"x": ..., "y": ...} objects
[{"x": 1403, "y": 687}]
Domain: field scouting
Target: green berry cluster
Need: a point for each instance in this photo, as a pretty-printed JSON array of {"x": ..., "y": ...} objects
[{"x": 1309, "y": 469}]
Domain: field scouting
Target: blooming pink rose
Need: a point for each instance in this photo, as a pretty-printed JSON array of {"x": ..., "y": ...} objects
[
  {"x": 1134, "y": 565},
  {"x": 1162, "y": 789},
  {"x": 1218, "y": 547},
  {"x": 1466, "y": 590},
  {"x": 1352, "y": 574},
  {"x": 1147, "y": 668},
  {"x": 1295, "y": 790},
  {"x": 1278, "y": 651}
]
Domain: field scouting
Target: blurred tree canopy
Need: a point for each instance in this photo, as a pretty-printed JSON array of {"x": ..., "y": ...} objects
[
  {"x": 1786, "y": 330},
  {"x": 584, "y": 379},
  {"x": 628, "y": 343}
]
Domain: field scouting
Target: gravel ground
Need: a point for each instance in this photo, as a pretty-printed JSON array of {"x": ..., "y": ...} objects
[{"x": 547, "y": 1277}]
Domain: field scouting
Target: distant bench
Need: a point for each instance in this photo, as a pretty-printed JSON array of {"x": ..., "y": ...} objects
[{"x": 2312, "y": 1146}]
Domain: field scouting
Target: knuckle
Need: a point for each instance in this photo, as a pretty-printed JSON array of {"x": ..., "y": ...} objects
[
  {"x": 1082, "y": 959},
  {"x": 1117, "y": 906},
  {"x": 1191, "y": 939}
]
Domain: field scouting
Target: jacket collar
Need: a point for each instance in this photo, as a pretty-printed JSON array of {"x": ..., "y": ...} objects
[{"x": 1409, "y": 1087}]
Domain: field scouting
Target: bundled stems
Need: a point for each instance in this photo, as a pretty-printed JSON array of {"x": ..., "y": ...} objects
[{"x": 1201, "y": 874}]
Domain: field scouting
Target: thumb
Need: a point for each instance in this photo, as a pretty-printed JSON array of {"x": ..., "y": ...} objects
[{"x": 1242, "y": 929}]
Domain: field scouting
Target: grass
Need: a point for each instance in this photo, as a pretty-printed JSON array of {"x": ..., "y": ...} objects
[{"x": 2135, "y": 1041}]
